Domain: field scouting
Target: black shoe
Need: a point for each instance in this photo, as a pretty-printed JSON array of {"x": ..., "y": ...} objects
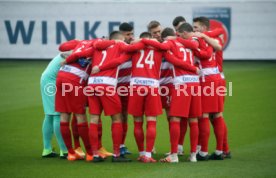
[
  {"x": 64, "y": 156},
  {"x": 120, "y": 159},
  {"x": 97, "y": 159},
  {"x": 227, "y": 155},
  {"x": 202, "y": 158},
  {"x": 51, "y": 155},
  {"x": 214, "y": 156}
]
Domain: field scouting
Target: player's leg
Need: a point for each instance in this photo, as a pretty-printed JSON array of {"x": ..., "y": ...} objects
[
  {"x": 174, "y": 139},
  {"x": 93, "y": 135},
  {"x": 74, "y": 126},
  {"x": 61, "y": 144},
  {"x": 76, "y": 136},
  {"x": 66, "y": 135},
  {"x": 102, "y": 149},
  {"x": 152, "y": 108},
  {"x": 139, "y": 136},
  {"x": 49, "y": 110},
  {"x": 194, "y": 132},
  {"x": 183, "y": 130},
  {"x": 84, "y": 132},
  {"x": 226, "y": 150},
  {"x": 47, "y": 133},
  {"x": 135, "y": 108},
  {"x": 218, "y": 124},
  {"x": 207, "y": 104},
  {"x": 112, "y": 107},
  {"x": 123, "y": 148},
  {"x": 204, "y": 134}
]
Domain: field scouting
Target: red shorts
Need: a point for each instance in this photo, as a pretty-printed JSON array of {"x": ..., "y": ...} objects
[
  {"x": 147, "y": 103},
  {"x": 209, "y": 97},
  {"x": 187, "y": 104},
  {"x": 101, "y": 99},
  {"x": 124, "y": 95},
  {"x": 222, "y": 83},
  {"x": 72, "y": 102},
  {"x": 165, "y": 93}
]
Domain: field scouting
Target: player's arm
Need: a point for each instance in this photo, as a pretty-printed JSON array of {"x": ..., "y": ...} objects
[
  {"x": 132, "y": 47},
  {"x": 192, "y": 44},
  {"x": 204, "y": 53},
  {"x": 88, "y": 52},
  {"x": 156, "y": 44},
  {"x": 68, "y": 46},
  {"x": 214, "y": 33},
  {"x": 103, "y": 44},
  {"x": 111, "y": 64},
  {"x": 211, "y": 41},
  {"x": 179, "y": 63}
]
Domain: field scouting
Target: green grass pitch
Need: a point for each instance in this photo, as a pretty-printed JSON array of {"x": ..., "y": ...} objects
[{"x": 250, "y": 115}]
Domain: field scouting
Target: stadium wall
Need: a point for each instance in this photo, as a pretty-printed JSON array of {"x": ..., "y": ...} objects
[{"x": 34, "y": 29}]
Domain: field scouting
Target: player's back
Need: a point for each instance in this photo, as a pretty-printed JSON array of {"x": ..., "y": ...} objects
[
  {"x": 146, "y": 66},
  {"x": 75, "y": 70},
  {"x": 100, "y": 57},
  {"x": 208, "y": 63},
  {"x": 184, "y": 54}
]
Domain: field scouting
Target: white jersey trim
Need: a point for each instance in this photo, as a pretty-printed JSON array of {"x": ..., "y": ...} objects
[
  {"x": 210, "y": 71},
  {"x": 144, "y": 81},
  {"x": 102, "y": 80},
  {"x": 74, "y": 70},
  {"x": 185, "y": 79}
]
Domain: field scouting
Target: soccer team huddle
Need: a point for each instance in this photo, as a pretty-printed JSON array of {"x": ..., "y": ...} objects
[{"x": 165, "y": 68}]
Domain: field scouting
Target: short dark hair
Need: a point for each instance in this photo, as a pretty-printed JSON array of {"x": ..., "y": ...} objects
[
  {"x": 177, "y": 20},
  {"x": 114, "y": 35},
  {"x": 145, "y": 35},
  {"x": 153, "y": 24},
  {"x": 203, "y": 20},
  {"x": 167, "y": 32},
  {"x": 185, "y": 27},
  {"x": 125, "y": 27}
]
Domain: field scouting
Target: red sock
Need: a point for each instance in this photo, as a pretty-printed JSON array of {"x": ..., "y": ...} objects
[
  {"x": 100, "y": 133},
  {"x": 174, "y": 135},
  {"x": 93, "y": 137},
  {"x": 151, "y": 135},
  {"x": 183, "y": 129},
  {"x": 204, "y": 133},
  {"x": 117, "y": 133},
  {"x": 75, "y": 132},
  {"x": 83, "y": 131},
  {"x": 139, "y": 135},
  {"x": 225, "y": 139},
  {"x": 125, "y": 128},
  {"x": 193, "y": 135},
  {"x": 219, "y": 132},
  {"x": 66, "y": 135}
]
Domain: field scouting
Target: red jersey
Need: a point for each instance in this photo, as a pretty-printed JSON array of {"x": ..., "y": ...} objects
[
  {"x": 219, "y": 56},
  {"x": 146, "y": 64},
  {"x": 183, "y": 54},
  {"x": 102, "y": 57},
  {"x": 206, "y": 61},
  {"x": 73, "y": 69}
]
